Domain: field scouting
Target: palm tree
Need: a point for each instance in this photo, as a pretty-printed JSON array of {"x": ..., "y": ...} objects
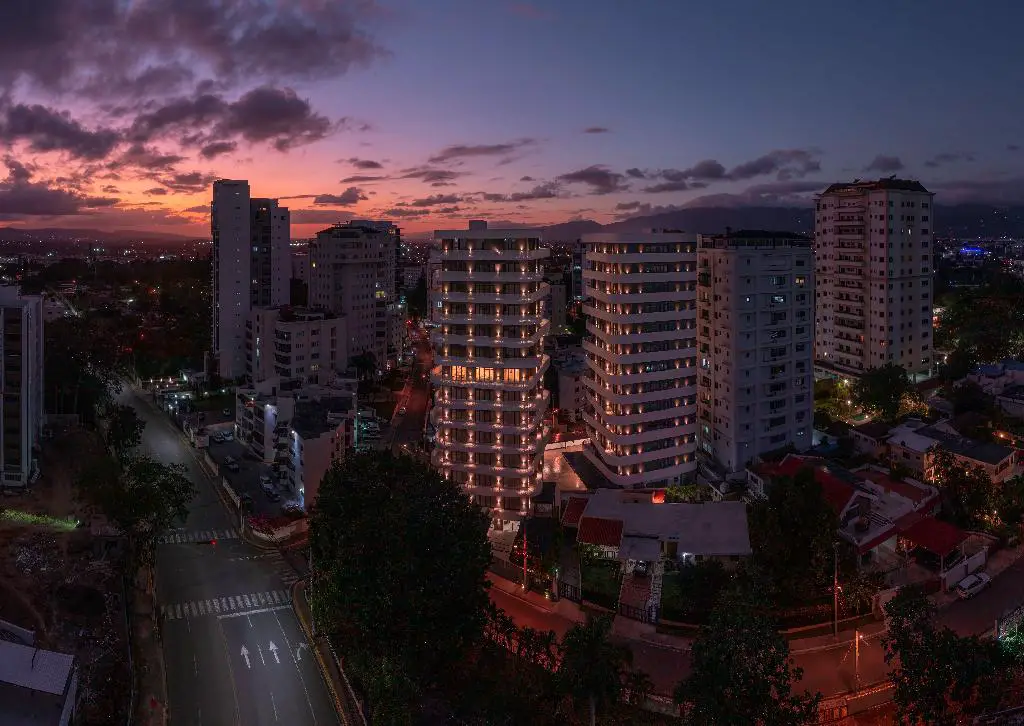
[
  {"x": 592, "y": 667},
  {"x": 638, "y": 687}
]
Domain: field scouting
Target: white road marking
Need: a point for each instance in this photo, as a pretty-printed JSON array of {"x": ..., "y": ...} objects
[
  {"x": 257, "y": 602},
  {"x": 302, "y": 680},
  {"x": 260, "y": 651},
  {"x": 258, "y": 611},
  {"x": 272, "y": 703},
  {"x": 273, "y": 652},
  {"x": 245, "y": 655}
]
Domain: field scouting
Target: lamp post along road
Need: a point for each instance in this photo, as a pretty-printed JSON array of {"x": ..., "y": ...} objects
[{"x": 835, "y": 589}]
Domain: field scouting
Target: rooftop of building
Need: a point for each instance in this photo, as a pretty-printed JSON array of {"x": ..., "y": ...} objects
[
  {"x": 983, "y": 451},
  {"x": 710, "y": 528},
  {"x": 479, "y": 229},
  {"x": 754, "y": 238},
  {"x": 874, "y": 429},
  {"x": 887, "y": 184},
  {"x": 33, "y": 682},
  {"x": 315, "y": 417},
  {"x": 298, "y": 313}
]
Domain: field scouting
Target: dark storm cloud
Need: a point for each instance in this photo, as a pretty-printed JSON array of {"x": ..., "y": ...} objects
[
  {"x": 156, "y": 191},
  {"x": 462, "y": 151},
  {"x": 784, "y": 163},
  {"x": 145, "y": 157},
  {"x": 435, "y": 200},
  {"x": 46, "y": 129},
  {"x": 635, "y": 173},
  {"x": 21, "y": 197},
  {"x": 347, "y": 198},
  {"x": 364, "y": 164},
  {"x": 541, "y": 191},
  {"x": 430, "y": 174},
  {"x": 596, "y": 130},
  {"x": 948, "y": 158},
  {"x": 885, "y": 164},
  {"x": 216, "y": 148},
  {"x": 599, "y": 178},
  {"x": 525, "y": 178},
  {"x": 672, "y": 186},
  {"x": 86, "y": 45},
  {"x": 362, "y": 179},
  {"x": 189, "y": 181},
  {"x": 265, "y": 114}
]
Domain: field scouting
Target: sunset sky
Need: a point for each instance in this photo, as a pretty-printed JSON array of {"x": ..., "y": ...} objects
[{"x": 118, "y": 114}]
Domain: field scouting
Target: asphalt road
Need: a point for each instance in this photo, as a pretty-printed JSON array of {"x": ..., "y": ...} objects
[
  {"x": 408, "y": 428},
  {"x": 218, "y": 599}
]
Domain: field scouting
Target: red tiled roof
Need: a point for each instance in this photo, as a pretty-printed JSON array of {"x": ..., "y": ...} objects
[
  {"x": 600, "y": 531},
  {"x": 837, "y": 492},
  {"x": 936, "y": 536},
  {"x": 573, "y": 511}
]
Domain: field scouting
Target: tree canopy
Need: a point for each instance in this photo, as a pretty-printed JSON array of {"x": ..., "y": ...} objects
[
  {"x": 967, "y": 491},
  {"x": 792, "y": 535},
  {"x": 881, "y": 390},
  {"x": 986, "y": 325},
  {"x": 593, "y": 669},
  {"x": 400, "y": 557},
  {"x": 742, "y": 674},
  {"x": 124, "y": 428},
  {"x": 140, "y": 496},
  {"x": 940, "y": 678}
]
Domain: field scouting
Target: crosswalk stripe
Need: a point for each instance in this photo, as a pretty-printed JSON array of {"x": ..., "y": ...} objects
[
  {"x": 227, "y": 604},
  {"x": 177, "y": 612},
  {"x": 248, "y": 602},
  {"x": 202, "y": 608}
]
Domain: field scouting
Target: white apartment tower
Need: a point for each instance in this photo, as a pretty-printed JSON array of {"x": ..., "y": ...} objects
[
  {"x": 873, "y": 262},
  {"x": 490, "y": 363},
  {"x": 22, "y": 403},
  {"x": 352, "y": 273},
  {"x": 251, "y": 266},
  {"x": 755, "y": 322},
  {"x": 641, "y": 346}
]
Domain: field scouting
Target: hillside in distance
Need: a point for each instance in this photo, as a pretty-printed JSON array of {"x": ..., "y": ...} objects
[
  {"x": 22, "y": 234},
  {"x": 962, "y": 220}
]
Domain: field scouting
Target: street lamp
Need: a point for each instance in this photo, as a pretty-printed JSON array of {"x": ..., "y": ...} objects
[{"x": 835, "y": 589}]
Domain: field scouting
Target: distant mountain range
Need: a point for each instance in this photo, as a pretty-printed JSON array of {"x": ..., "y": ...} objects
[
  {"x": 962, "y": 220},
  {"x": 55, "y": 234}
]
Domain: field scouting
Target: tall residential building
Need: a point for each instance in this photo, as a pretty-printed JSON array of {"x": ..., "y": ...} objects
[
  {"x": 755, "y": 322},
  {"x": 22, "y": 401},
  {"x": 251, "y": 266},
  {"x": 641, "y": 348},
  {"x": 490, "y": 400},
  {"x": 873, "y": 263},
  {"x": 352, "y": 273}
]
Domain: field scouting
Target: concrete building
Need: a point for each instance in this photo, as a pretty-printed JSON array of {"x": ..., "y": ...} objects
[
  {"x": 755, "y": 313},
  {"x": 557, "y": 303},
  {"x": 572, "y": 391},
  {"x": 352, "y": 273},
  {"x": 641, "y": 349},
  {"x": 577, "y": 272},
  {"x": 307, "y": 346},
  {"x": 873, "y": 265},
  {"x": 490, "y": 401},
  {"x": 22, "y": 403},
  {"x": 37, "y": 687},
  {"x": 251, "y": 266},
  {"x": 298, "y": 430}
]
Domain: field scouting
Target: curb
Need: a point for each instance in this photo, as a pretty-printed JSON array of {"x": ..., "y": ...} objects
[{"x": 324, "y": 670}]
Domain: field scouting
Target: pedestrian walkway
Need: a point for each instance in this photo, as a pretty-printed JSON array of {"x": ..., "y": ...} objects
[
  {"x": 226, "y": 605},
  {"x": 204, "y": 535}
]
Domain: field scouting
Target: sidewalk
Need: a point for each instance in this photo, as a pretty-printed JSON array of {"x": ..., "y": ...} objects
[{"x": 345, "y": 702}]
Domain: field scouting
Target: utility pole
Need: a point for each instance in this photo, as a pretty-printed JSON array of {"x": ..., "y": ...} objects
[
  {"x": 835, "y": 589},
  {"x": 856, "y": 659}
]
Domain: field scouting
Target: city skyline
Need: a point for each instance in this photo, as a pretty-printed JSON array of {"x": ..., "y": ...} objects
[{"x": 526, "y": 113}]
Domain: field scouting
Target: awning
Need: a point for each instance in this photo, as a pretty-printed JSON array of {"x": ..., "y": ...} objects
[
  {"x": 934, "y": 535},
  {"x": 640, "y": 548}
]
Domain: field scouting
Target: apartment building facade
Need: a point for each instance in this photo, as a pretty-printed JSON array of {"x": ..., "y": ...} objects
[
  {"x": 755, "y": 332},
  {"x": 873, "y": 264},
  {"x": 490, "y": 401},
  {"x": 22, "y": 401},
  {"x": 641, "y": 349},
  {"x": 251, "y": 266},
  {"x": 352, "y": 273},
  {"x": 297, "y": 344}
]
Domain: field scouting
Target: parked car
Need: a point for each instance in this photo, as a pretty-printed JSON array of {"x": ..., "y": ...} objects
[
  {"x": 642, "y": 568},
  {"x": 402, "y": 411},
  {"x": 272, "y": 495},
  {"x": 231, "y": 464},
  {"x": 228, "y": 436},
  {"x": 972, "y": 585},
  {"x": 217, "y": 438}
]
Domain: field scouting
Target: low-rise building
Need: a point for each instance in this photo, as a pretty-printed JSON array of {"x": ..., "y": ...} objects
[
  {"x": 322, "y": 431},
  {"x": 572, "y": 393},
  {"x": 912, "y": 445},
  {"x": 37, "y": 687}
]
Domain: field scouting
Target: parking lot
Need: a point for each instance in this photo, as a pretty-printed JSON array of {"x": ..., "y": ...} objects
[{"x": 247, "y": 479}]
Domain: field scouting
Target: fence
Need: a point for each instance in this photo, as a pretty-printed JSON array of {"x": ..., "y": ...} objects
[
  {"x": 647, "y": 614},
  {"x": 963, "y": 568},
  {"x": 570, "y": 592}
]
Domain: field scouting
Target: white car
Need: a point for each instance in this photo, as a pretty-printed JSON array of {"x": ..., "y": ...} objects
[{"x": 972, "y": 585}]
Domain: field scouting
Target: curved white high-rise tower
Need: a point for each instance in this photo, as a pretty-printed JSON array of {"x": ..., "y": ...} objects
[
  {"x": 641, "y": 348},
  {"x": 489, "y": 368}
]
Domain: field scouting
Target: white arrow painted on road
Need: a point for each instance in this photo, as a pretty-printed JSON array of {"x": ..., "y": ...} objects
[
  {"x": 273, "y": 652},
  {"x": 298, "y": 651},
  {"x": 245, "y": 655}
]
